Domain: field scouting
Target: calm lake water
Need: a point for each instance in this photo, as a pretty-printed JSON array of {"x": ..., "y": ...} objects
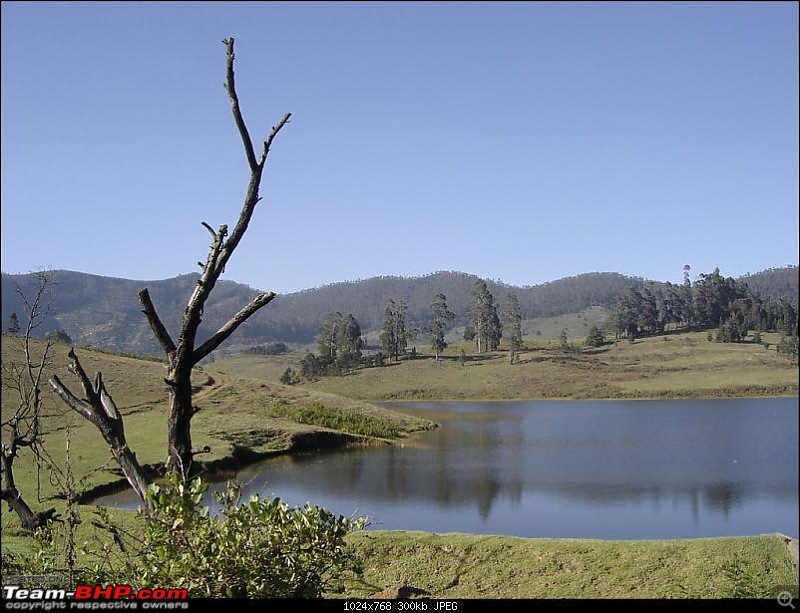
[{"x": 594, "y": 469}]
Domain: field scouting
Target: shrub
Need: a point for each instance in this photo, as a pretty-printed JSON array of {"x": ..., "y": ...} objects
[
  {"x": 261, "y": 549},
  {"x": 289, "y": 377},
  {"x": 346, "y": 420},
  {"x": 595, "y": 338}
]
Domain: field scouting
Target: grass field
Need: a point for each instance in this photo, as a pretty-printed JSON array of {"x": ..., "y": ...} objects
[
  {"x": 473, "y": 566},
  {"x": 668, "y": 366}
]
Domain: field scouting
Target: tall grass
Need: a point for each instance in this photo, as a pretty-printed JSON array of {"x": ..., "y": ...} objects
[{"x": 346, "y": 420}]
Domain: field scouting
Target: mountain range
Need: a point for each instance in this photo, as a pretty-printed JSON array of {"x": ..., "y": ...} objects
[{"x": 104, "y": 312}]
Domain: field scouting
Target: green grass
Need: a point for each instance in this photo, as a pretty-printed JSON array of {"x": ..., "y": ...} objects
[
  {"x": 344, "y": 420},
  {"x": 677, "y": 365},
  {"x": 473, "y": 566}
]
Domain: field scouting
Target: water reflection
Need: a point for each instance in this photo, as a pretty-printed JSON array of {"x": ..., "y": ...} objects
[{"x": 573, "y": 469}]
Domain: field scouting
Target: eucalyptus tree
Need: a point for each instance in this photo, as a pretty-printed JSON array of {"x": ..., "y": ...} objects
[
  {"x": 485, "y": 322},
  {"x": 441, "y": 317},
  {"x": 512, "y": 324},
  {"x": 395, "y": 334}
]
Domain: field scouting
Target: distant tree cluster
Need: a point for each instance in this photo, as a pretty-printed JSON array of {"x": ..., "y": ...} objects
[
  {"x": 713, "y": 301},
  {"x": 339, "y": 346},
  {"x": 269, "y": 349}
]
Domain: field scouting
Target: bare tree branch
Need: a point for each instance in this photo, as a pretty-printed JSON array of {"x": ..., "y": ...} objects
[
  {"x": 230, "y": 87},
  {"x": 22, "y": 372},
  {"x": 210, "y": 230},
  {"x": 271, "y": 137},
  {"x": 99, "y": 408},
  {"x": 158, "y": 328},
  {"x": 71, "y": 399},
  {"x": 76, "y": 368},
  {"x": 230, "y": 326},
  {"x": 252, "y": 198}
]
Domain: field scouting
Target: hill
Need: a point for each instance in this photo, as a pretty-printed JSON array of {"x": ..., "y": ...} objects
[
  {"x": 775, "y": 283},
  {"x": 104, "y": 312}
]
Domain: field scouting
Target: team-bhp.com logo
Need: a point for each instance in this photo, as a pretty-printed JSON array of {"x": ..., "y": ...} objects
[{"x": 26, "y": 599}]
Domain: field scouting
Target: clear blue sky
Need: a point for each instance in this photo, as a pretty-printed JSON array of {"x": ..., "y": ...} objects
[{"x": 517, "y": 141}]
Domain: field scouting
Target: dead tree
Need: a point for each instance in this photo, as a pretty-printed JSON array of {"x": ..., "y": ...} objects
[
  {"x": 183, "y": 356},
  {"x": 99, "y": 408},
  {"x": 22, "y": 428}
]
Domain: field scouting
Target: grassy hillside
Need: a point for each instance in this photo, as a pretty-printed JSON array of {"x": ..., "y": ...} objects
[
  {"x": 672, "y": 365},
  {"x": 238, "y": 417}
]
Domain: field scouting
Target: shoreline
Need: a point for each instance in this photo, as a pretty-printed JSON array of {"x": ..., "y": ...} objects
[
  {"x": 241, "y": 457},
  {"x": 667, "y": 395}
]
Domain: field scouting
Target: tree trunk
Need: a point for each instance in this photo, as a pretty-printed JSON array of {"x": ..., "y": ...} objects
[
  {"x": 28, "y": 519},
  {"x": 179, "y": 434}
]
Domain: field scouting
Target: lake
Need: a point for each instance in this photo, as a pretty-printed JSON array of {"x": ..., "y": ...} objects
[{"x": 588, "y": 469}]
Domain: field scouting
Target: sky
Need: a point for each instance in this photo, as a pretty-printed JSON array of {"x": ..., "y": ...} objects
[{"x": 523, "y": 142}]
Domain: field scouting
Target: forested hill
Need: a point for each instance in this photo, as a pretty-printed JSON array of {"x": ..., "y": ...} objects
[
  {"x": 104, "y": 312},
  {"x": 775, "y": 283}
]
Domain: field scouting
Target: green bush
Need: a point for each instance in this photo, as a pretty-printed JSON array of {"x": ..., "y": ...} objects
[
  {"x": 261, "y": 549},
  {"x": 595, "y": 338},
  {"x": 290, "y": 377}
]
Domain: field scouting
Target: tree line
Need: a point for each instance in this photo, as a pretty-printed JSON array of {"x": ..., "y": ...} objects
[
  {"x": 339, "y": 340},
  {"x": 712, "y": 301}
]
